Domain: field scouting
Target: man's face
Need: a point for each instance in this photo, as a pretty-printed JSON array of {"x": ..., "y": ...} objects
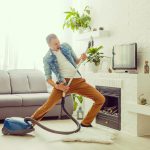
[{"x": 55, "y": 44}]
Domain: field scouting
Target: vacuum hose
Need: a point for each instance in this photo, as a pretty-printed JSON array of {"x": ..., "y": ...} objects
[
  {"x": 63, "y": 108},
  {"x": 54, "y": 131}
]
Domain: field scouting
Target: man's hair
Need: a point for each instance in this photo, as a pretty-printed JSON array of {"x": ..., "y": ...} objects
[{"x": 50, "y": 37}]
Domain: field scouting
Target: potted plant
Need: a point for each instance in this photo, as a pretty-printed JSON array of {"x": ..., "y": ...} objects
[
  {"x": 77, "y": 105},
  {"x": 76, "y": 21},
  {"x": 77, "y": 101},
  {"x": 94, "y": 57}
]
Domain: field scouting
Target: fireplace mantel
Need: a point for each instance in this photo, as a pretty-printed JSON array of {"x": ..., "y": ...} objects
[{"x": 132, "y": 86}]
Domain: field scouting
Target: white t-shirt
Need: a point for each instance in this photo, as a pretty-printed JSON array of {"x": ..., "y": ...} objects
[{"x": 66, "y": 68}]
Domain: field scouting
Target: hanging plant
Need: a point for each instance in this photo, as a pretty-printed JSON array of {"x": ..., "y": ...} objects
[{"x": 76, "y": 21}]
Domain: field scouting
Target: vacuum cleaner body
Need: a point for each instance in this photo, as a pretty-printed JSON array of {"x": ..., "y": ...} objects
[{"x": 16, "y": 126}]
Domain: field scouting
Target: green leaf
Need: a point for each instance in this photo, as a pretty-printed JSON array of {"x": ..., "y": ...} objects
[
  {"x": 80, "y": 98},
  {"x": 64, "y": 25},
  {"x": 87, "y": 11},
  {"x": 75, "y": 105},
  {"x": 66, "y": 12}
]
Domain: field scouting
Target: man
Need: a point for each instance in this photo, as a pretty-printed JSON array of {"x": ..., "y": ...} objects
[{"x": 62, "y": 61}]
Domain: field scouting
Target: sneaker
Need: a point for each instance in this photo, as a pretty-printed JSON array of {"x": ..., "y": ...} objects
[{"x": 82, "y": 125}]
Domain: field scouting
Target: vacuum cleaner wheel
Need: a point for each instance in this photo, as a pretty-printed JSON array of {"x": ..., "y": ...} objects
[{"x": 4, "y": 131}]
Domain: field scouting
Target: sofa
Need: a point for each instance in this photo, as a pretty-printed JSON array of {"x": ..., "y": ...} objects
[{"x": 22, "y": 91}]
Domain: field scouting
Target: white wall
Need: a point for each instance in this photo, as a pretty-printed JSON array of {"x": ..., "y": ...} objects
[
  {"x": 24, "y": 25},
  {"x": 127, "y": 20}
]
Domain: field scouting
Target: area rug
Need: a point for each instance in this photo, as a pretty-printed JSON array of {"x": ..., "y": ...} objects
[{"x": 92, "y": 135}]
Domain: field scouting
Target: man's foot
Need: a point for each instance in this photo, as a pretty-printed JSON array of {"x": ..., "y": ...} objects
[{"x": 82, "y": 125}]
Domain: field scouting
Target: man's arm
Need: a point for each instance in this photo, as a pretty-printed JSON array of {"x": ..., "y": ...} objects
[
  {"x": 78, "y": 60},
  {"x": 51, "y": 82},
  {"x": 83, "y": 57},
  {"x": 59, "y": 86},
  {"x": 47, "y": 69},
  {"x": 48, "y": 73}
]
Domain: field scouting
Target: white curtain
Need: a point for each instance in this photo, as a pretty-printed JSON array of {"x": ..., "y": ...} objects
[{"x": 24, "y": 25}]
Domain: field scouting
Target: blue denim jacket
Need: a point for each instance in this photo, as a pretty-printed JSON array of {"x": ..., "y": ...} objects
[{"x": 51, "y": 63}]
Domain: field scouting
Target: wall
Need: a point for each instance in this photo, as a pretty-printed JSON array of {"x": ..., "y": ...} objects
[
  {"x": 24, "y": 27},
  {"x": 127, "y": 21}
]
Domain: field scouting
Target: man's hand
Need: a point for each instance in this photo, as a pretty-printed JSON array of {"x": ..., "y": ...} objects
[
  {"x": 62, "y": 87},
  {"x": 83, "y": 57}
]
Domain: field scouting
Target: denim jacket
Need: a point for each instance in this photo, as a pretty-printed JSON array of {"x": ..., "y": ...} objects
[{"x": 51, "y": 63}]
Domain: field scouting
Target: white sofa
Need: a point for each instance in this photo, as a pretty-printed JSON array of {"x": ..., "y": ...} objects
[{"x": 22, "y": 91}]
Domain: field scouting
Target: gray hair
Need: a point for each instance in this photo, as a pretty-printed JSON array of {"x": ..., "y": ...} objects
[{"x": 50, "y": 37}]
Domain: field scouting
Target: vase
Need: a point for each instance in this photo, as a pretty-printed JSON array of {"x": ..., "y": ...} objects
[
  {"x": 93, "y": 67},
  {"x": 83, "y": 30}
]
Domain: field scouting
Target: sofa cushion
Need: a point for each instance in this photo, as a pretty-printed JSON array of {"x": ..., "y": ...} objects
[
  {"x": 37, "y": 82},
  {"x": 5, "y": 87},
  {"x": 19, "y": 82},
  {"x": 33, "y": 99},
  {"x": 27, "y": 81},
  {"x": 7, "y": 100}
]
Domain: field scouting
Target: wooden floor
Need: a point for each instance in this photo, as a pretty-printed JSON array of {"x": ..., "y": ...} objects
[{"x": 42, "y": 140}]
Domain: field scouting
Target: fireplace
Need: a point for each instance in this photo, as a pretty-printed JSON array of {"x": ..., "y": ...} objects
[{"x": 110, "y": 113}]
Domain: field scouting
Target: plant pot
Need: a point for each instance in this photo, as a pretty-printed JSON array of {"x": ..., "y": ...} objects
[
  {"x": 93, "y": 67},
  {"x": 75, "y": 111},
  {"x": 83, "y": 30}
]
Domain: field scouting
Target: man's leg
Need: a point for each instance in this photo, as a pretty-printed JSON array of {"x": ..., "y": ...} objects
[
  {"x": 85, "y": 89},
  {"x": 53, "y": 99}
]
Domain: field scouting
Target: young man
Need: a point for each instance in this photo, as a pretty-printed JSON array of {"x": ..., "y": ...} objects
[{"x": 62, "y": 61}]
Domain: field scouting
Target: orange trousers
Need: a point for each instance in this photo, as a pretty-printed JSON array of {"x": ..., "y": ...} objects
[{"x": 78, "y": 86}]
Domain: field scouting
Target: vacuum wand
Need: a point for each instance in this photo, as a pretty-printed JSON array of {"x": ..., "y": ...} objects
[
  {"x": 76, "y": 69},
  {"x": 64, "y": 93}
]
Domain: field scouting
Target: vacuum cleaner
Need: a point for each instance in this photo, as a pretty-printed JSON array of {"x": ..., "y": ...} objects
[{"x": 22, "y": 126}]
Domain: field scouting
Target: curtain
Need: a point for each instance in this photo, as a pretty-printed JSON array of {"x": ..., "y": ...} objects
[{"x": 24, "y": 25}]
